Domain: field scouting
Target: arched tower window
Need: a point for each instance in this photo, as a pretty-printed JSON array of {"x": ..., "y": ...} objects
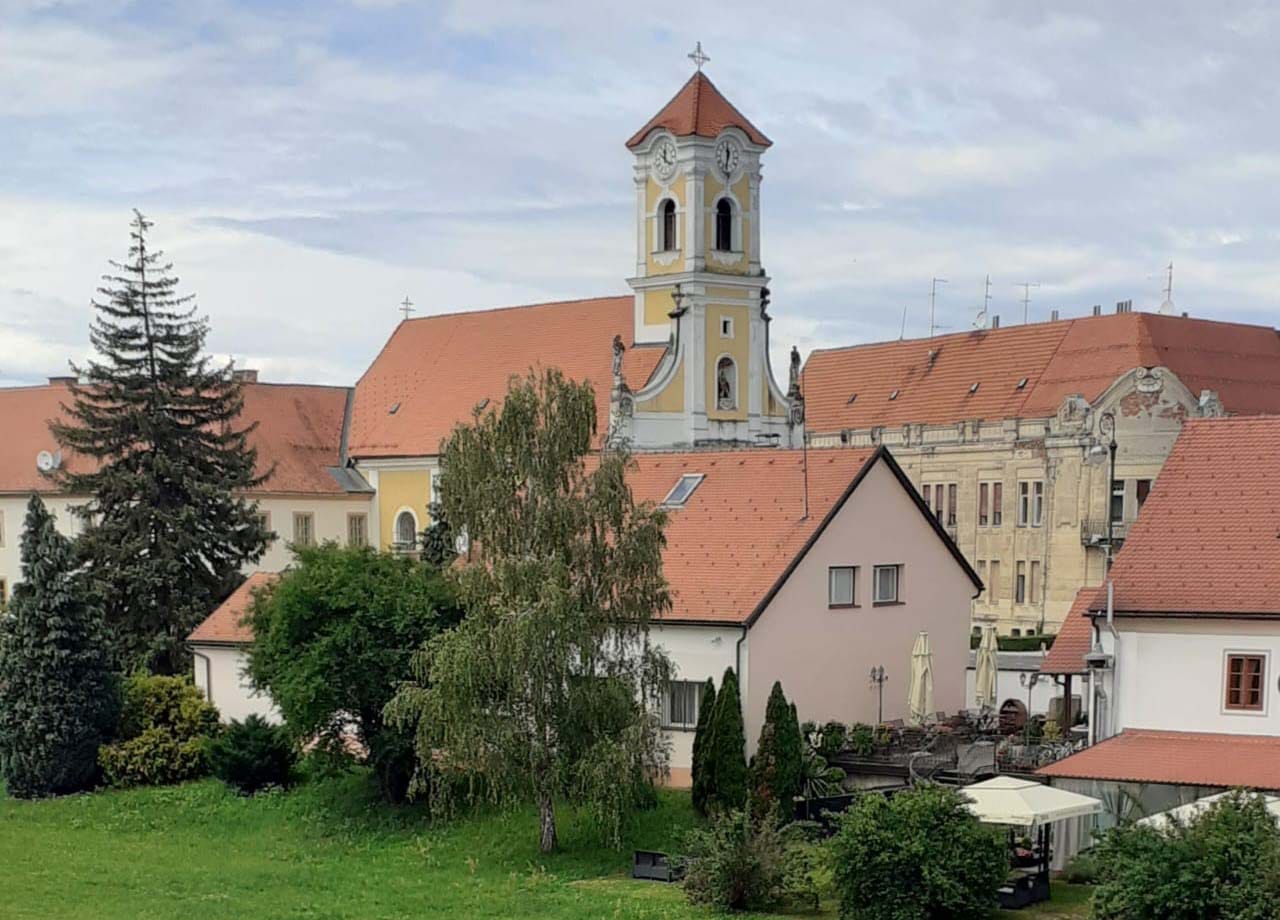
[
  {"x": 667, "y": 214},
  {"x": 726, "y": 384},
  {"x": 724, "y": 225},
  {"x": 406, "y": 530}
]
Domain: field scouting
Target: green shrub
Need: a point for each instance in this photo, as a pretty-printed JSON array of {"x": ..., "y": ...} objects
[
  {"x": 1082, "y": 869},
  {"x": 739, "y": 863},
  {"x": 915, "y": 856},
  {"x": 165, "y": 726},
  {"x": 726, "y": 763},
  {"x": 252, "y": 755},
  {"x": 1224, "y": 863},
  {"x": 831, "y": 739},
  {"x": 861, "y": 739}
]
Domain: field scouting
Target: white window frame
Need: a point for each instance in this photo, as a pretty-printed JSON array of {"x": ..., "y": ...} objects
[
  {"x": 693, "y": 687},
  {"x": 396, "y": 542},
  {"x": 736, "y": 388},
  {"x": 726, "y": 327},
  {"x": 832, "y": 601},
  {"x": 310, "y": 517},
  {"x": 351, "y": 516},
  {"x": 692, "y": 480},
  {"x": 876, "y": 597}
]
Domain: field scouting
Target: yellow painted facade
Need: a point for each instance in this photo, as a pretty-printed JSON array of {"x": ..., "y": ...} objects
[
  {"x": 397, "y": 490},
  {"x": 658, "y": 306},
  {"x": 712, "y": 192},
  {"x": 671, "y": 399},
  {"x": 736, "y": 347}
]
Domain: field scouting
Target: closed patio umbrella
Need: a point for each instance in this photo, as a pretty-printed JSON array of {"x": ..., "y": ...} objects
[
  {"x": 985, "y": 669},
  {"x": 920, "y": 686}
]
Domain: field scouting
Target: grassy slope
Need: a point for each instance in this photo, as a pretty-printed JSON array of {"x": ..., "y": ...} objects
[{"x": 325, "y": 850}]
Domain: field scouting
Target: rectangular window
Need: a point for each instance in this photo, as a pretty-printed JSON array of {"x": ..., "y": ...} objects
[
  {"x": 1245, "y": 682},
  {"x": 1033, "y": 589},
  {"x": 1020, "y": 584},
  {"x": 1117, "y": 501},
  {"x": 1037, "y": 503},
  {"x": 1024, "y": 504},
  {"x": 937, "y": 502},
  {"x": 951, "y": 505},
  {"x": 1015, "y": 632},
  {"x": 1, "y": 528},
  {"x": 304, "y": 533},
  {"x": 1141, "y": 491},
  {"x": 841, "y": 580},
  {"x": 1030, "y": 503},
  {"x": 680, "y": 704},
  {"x": 886, "y": 584},
  {"x": 726, "y": 327},
  {"x": 358, "y": 529},
  {"x": 997, "y": 503},
  {"x": 264, "y": 518},
  {"x": 4, "y": 591},
  {"x": 993, "y": 586},
  {"x": 984, "y": 498},
  {"x": 926, "y": 492}
]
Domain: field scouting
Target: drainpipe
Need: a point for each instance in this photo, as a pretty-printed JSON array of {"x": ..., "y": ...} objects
[{"x": 1115, "y": 646}]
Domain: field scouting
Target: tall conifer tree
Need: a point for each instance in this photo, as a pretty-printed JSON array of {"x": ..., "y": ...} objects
[
  {"x": 727, "y": 758},
  {"x": 56, "y": 694},
  {"x": 167, "y": 531},
  {"x": 701, "y": 745}
]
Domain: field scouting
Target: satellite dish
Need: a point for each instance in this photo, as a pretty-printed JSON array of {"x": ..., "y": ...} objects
[{"x": 44, "y": 461}]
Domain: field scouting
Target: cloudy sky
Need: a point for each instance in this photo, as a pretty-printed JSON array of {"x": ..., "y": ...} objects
[{"x": 310, "y": 165}]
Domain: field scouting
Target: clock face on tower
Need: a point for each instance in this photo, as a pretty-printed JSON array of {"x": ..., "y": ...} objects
[
  {"x": 727, "y": 157},
  {"x": 664, "y": 158}
]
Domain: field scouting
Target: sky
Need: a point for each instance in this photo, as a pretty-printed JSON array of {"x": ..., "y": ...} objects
[{"x": 309, "y": 165}]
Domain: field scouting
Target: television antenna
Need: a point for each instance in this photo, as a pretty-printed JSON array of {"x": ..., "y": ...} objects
[
  {"x": 980, "y": 321},
  {"x": 933, "y": 297},
  {"x": 1167, "y": 308},
  {"x": 1026, "y": 298}
]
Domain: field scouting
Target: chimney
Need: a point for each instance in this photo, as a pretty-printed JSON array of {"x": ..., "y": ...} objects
[
  {"x": 1053, "y": 316},
  {"x": 1097, "y": 309},
  {"x": 247, "y": 375},
  {"x": 1124, "y": 306},
  {"x": 995, "y": 321},
  {"x": 1185, "y": 314},
  {"x": 62, "y": 381}
]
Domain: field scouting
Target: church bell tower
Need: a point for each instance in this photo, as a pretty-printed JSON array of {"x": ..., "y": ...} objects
[{"x": 699, "y": 284}]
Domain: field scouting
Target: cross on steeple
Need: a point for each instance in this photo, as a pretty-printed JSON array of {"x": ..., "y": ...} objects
[
  {"x": 406, "y": 306},
  {"x": 698, "y": 56}
]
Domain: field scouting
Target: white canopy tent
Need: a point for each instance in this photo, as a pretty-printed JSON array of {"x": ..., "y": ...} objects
[
  {"x": 1185, "y": 813},
  {"x": 1017, "y": 802}
]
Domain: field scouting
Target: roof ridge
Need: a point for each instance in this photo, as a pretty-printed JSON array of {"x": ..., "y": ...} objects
[{"x": 517, "y": 306}]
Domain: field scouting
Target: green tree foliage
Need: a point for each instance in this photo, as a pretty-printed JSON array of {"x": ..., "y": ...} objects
[
  {"x": 333, "y": 639},
  {"x": 727, "y": 777},
  {"x": 776, "y": 769},
  {"x": 56, "y": 691},
  {"x": 916, "y": 856},
  {"x": 163, "y": 736},
  {"x": 564, "y": 577},
  {"x": 701, "y": 745},
  {"x": 167, "y": 532},
  {"x": 253, "y": 755},
  {"x": 439, "y": 542},
  {"x": 1223, "y": 863},
  {"x": 738, "y": 862}
]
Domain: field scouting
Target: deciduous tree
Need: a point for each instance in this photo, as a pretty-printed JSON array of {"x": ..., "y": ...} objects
[{"x": 551, "y": 675}]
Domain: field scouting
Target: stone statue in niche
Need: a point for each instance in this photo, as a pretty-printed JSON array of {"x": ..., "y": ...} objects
[{"x": 724, "y": 385}]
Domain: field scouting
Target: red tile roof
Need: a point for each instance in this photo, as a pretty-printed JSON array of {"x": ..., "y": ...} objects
[
  {"x": 699, "y": 109},
  {"x": 1182, "y": 758},
  {"x": 299, "y": 432},
  {"x": 1057, "y": 359},
  {"x": 224, "y": 625},
  {"x": 729, "y": 544},
  {"x": 434, "y": 370},
  {"x": 1208, "y": 538},
  {"x": 1074, "y": 639}
]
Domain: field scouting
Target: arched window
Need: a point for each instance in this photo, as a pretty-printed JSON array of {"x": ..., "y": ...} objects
[
  {"x": 726, "y": 384},
  {"x": 406, "y": 530},
  {"x": 724, "y": 225},
  {"x": 667, "y": 240}
]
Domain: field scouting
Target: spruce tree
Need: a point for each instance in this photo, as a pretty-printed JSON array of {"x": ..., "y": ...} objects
[
  {"x": 56, "y": 692},
  {"x": 727, "y": 759},
  {"x": 701, "y": 746},
  {"x": 168, "y": 526},
  {"x": 775, "y": 773}
]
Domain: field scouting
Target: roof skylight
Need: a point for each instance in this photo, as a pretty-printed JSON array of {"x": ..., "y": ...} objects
[
  {"x": 682, "y": 490},
  {"x": 852, "y": 397},
  {"x": 974, "y": 387},
  {"x": 893, "y": 395},
  {"x": 1022, "y": 383}
]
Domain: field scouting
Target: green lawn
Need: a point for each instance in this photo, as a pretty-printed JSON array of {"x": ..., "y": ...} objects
[{"x": 325, "y": 850}]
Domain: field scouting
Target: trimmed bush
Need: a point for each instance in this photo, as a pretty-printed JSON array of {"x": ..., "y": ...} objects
[
  {"x": 252, "y": 755},
  {"x": 57, "y": 695},
  {"x": 165, "y": 727},
  {"x": 1224, "y": 863},
  {"x": 726, "y": 763},
  {"x": 701, "y": 745},
  {"x": 739, "y": 863},
  {"x": 831, "y": 739},
  {"x": 915, "y": 856}
]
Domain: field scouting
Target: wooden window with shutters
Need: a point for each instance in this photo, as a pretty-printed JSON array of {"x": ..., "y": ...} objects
[{"x": 1245, "y": 681}]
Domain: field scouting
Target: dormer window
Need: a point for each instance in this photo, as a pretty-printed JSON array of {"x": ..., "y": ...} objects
[
  {"x": 726, "y": 384},
  {"x": 667, "y": 226},
  {"x": 724, "y": 225}
]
